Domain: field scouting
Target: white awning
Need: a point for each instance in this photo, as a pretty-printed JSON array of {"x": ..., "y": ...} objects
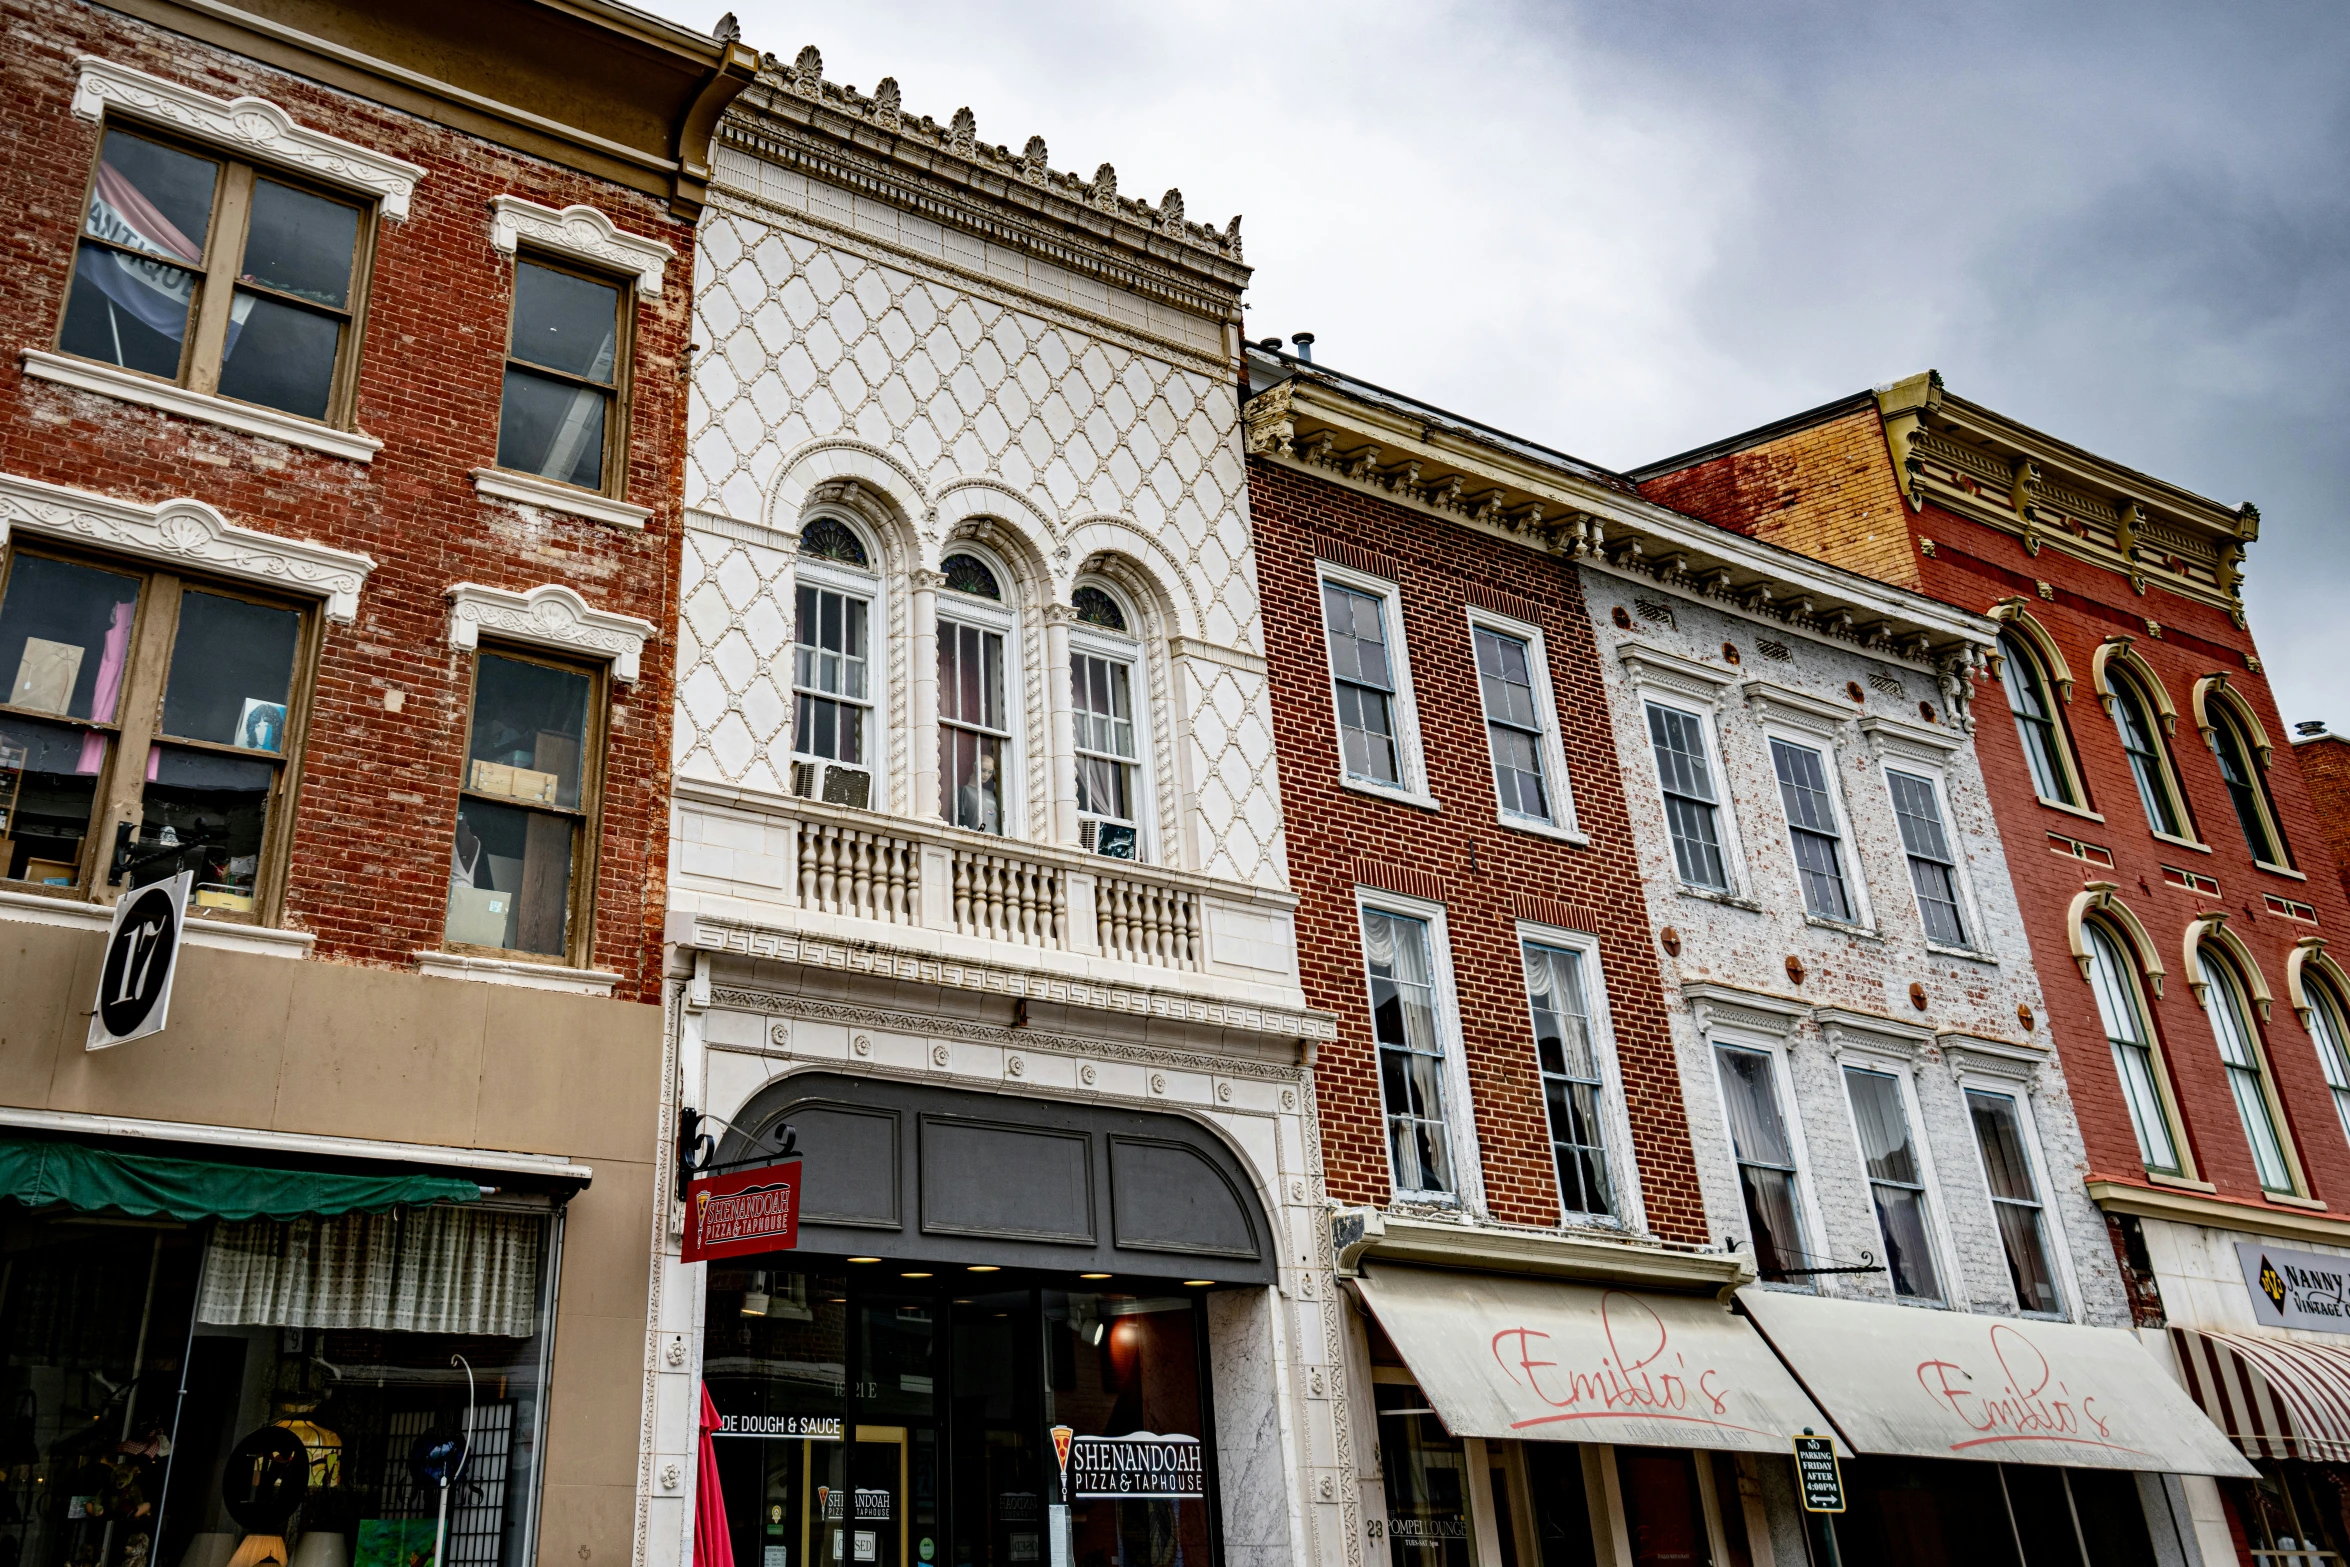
[
  {"x": 1537, "y": 1360},
  {"x": 1953, "y": 1384}
]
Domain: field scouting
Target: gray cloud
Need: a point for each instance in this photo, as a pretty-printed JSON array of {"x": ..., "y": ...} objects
[{"x": 1625, "y": 228}]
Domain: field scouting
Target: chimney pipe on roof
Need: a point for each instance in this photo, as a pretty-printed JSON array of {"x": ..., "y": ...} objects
[
  {"x": 2310, "y": 727},
  {"x": 1303, "y": 342}
]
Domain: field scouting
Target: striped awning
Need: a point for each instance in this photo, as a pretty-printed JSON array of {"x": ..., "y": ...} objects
[{"x": 2274, "y": 1397}]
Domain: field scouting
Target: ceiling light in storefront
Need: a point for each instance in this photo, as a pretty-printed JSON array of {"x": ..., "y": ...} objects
[
  {"x": 913, "y": 1275},
  {"x": 1093, "y": 1275},
  {"x": 983, "y": 1267},
  {"x": 864, "y": 1259},
  {"x": 1199, "y": 1284},
  {"x": 755, "y": 1298}
]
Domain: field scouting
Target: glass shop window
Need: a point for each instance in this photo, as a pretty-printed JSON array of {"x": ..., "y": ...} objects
[
  {"x": 561, "y": 417},
  {"x": 1664, "y": 1512},
  {"x": 529, "y": 800},
  {"x": 1426, "y": 1469},
  {"x": 1124, "y": 1376},
  {"x": 220, "y": 277},
  {"x": 215, "y": 739},
  {"x": 1561, "y": 1505},
  {"x": 320, "y": 1347}
]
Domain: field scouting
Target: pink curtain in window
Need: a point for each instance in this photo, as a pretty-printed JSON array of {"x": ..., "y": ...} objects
[
  {"x": 713, "y": 1547},
  {"x": 109, "y": 688}
]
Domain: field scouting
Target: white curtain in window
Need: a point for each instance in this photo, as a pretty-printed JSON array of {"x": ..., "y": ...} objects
[{"x": 412, "y": 1270}]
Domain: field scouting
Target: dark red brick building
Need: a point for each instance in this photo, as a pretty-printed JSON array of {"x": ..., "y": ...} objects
[
  {"x": 340, "y": 436},
  {"x": 2174, "y": 869}
]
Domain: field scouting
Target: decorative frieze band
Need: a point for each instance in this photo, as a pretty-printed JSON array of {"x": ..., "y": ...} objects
[
  {"x": 551, "y": 616},
  {"x": 583, "y": 234},
  {"x": 253, "y": 126},
  {"x": 186, "y": 532}
]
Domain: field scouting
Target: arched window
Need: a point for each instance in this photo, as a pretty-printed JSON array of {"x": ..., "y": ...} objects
[
  {"x": 2031, "y": 698},
  {"x": 2133, "y": 716},
  {"x": 2113, "y": 976},
  {"x": 2246, "y": 789},
  {"x": 2327, "y": 1028},
  {"x": 974, "y": 703},
  {"x": 2239, "y": 1050},
  {"x": 1108, "y": 700},
  {"x": 832, "y": 659}
]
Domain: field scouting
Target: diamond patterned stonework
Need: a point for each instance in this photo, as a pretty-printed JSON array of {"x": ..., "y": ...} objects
[{"x": 936, "y": 406}]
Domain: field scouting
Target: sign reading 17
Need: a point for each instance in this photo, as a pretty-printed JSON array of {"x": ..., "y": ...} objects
[{"x": 142, "y": 954}]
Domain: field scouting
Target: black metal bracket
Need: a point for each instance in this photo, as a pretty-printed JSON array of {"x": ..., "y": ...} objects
[{"x": 697, "y": 1150}]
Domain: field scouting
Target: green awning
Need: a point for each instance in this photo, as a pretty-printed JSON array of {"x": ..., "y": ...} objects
[{"x": 40, "y": 1173}]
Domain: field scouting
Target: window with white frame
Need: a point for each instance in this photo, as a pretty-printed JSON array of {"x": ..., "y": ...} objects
[
  {"x": 1400, "y": 970},
  {"x": 2239, "y": 1050},
  {"x": 1692, "y": 807},
  {"x": 1104, "y": 673},
  {"x": 974, "y": 721},
  {"x": 1812, "y": 830},
  {"x": 2114, "y": 980},
  {"x": 1766, "y": 1161},
  {"x": 1897, "y": 1181},
  {"x": 2015, "y": 1199},
  {"x": 2037, "y": 723},
  {"x": 1933, "y": 868},
  {"x": 1515, "y": 729},
  {"x": 2333, "y": 1046},
  {"x": 832, "y": 702},
  {"x": 1574, "y": 1090},
  {"x": 1365, "y": 688}
]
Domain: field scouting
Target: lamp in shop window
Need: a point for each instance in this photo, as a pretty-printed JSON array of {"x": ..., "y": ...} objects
[
  {"x": 755, "y": 1298},
  {"x": 324, "y": 1447}
]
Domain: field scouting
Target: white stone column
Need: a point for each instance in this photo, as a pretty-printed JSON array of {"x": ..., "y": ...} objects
[
  {"x": 1059, "y": 708},
  {"x": 925, "y": 585}
]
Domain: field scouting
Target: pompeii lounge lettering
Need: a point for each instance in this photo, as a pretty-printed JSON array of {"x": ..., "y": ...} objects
[
  {"x": 1641, "y": 1376},
  {"x": 2027, "y": 1402}
]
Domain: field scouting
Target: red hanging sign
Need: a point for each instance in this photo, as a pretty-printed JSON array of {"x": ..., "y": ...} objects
[{"x": 742, "y": 1213}]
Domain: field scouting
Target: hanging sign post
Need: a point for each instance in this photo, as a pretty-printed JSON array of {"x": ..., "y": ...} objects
[
  {"x": 740, "y": 1213},
  {"x": 142, "y": 955}
]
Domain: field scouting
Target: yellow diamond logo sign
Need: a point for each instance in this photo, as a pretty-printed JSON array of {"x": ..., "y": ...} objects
[{"x": 2272, "y": 1284}]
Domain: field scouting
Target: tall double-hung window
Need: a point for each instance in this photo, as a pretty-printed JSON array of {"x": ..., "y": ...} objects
[
  {"x": 2246, "y": 791},
  {"x": 1514, "y": 728},
  {"x": 1933, "y": 868},
  {"x": 2015, "y": 1198},
  {"x": 1766, "y": 1162},
  {"x": 1692, "y": 808},
  {"x": 2239, "y": 1050},
  {"x": 974, "y": 723},
  {"x": 2326, "y": 1028},
  {"x": 1400, "y": 970},
  {"x": 1363, "y": 682},
  {"x": 562, "y": 415},
  {"x": 2113, "y": 978},
  {"x": 1104, "y": 673},
  {"x": 2031, "y": 699},
  {"x": 832, "y": 697},
  {"x": 1897, "y": 1181},
  {"x": 2141, "y": 741},
  {"x": 1574, "y": 1092},
  {"x": 1812, "y": 830}
]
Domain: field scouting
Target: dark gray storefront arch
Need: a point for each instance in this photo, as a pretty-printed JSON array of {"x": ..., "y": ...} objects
[{"x": 909, "y": 1171}]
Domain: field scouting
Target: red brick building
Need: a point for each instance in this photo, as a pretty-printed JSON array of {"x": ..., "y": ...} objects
[
  {"x": 2174, "y": 870},
  {"x": 340, "y": 436},
  {"x": 2325, "y": 770}
]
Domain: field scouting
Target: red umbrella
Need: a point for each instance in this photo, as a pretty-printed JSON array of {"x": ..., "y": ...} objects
[{"x": 713, "y": 1547}]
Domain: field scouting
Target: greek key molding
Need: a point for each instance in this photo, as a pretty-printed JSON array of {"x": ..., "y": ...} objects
[
  {"x": 583, "y": 234},
  {"x": 253, "y": 126},
  {"x": 547, "y": 616},
  {"x": 185, "y": 532},
  {"x": 776, "y": 1004}
]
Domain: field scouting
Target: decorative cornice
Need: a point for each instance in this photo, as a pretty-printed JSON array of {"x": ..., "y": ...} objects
[
  {"x": 874, "y": 959},
  {"x": 581, "y": 233},
  {"x": 550, "y": 616},
  {"x": 90, "y": 375},
  {"x": 1797, "y": 709},
  {"x": 1650, "y": 665},
  {"x": 1030, "y": 1041},
  {"x": 1844, "y": 1029},
  {"x": 186, "y": 532},
  {"x": 1964, "y": 1053},
  {"x": 528, "y": 490},
  {"x": 1757, "y": 1010},
  {"x": 2154, "y": 1202},
  {"x": 1893, "y": 737},
  {"x": 252, "y": 126}
]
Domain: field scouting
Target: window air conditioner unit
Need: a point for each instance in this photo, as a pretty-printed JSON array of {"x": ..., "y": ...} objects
[
  {"x": 852, "y": 786},
  {"x": 1112, "y": 839},
  {"x": 803, "y": 780}
]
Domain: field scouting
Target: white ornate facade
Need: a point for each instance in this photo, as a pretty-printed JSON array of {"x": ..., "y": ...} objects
[{"x": 937, "y": 349}]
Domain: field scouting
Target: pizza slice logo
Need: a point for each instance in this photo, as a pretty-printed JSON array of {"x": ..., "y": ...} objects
[
  {"x": 2272, "y": 1284},
  {"x": 1062, "y": 1436}
]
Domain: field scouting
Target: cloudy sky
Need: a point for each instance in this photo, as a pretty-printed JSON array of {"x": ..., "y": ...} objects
[{"x": 1624, "y": 227}]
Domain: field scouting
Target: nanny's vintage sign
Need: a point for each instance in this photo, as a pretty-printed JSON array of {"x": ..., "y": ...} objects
[{"x": 2297, "y": 1289}]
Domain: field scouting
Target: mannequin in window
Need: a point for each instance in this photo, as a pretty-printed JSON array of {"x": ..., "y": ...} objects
[{"x": 977, "y": 800}]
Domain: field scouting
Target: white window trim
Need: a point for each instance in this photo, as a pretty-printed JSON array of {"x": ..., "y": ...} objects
[
  {"x": 1460, "y": 1114},
  {"x": 548, "y": 616},
  {"x": 1127, "y": 649},
  {"x": 528, "y": 489},
  {"x": 1623, "y": 1163},
  {"x": 1812, "y": 1237},
  {"x": 1887, "y": 1060},
  {"x": 1003, "y": 618},
  {"x": 1972, "y": 1078},
  {"x": 133, "y": 386},
  {"x": 1725, "y": 816},
  {"x": 1969, "y": 906},
  {"x": 1555, "y": 781},
  {"x": 579, "y": 233},
  {"x": 1413, "y": 790},
  {"x": 858, "y": 583},
  {"x": 1856, "y": 881}
]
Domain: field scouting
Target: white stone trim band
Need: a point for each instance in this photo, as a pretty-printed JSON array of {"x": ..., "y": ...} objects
[
  {"x": 528, "y": 490},
  {"x": 582, "y": 233},
  {"x": 252, "y": 126},
  {"x": 549, "y": 616},
  {"x": 92, "y": 375},
  {"x": 186, "y": 532}
]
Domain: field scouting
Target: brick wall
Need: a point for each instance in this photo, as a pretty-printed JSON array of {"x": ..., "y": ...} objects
[
  {"x": 1488, "y": 876},
  {"x": 2325, "y": 773},
  {"x": 371, "y": 851}
]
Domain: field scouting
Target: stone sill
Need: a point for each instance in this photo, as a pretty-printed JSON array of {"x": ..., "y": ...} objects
[
  {"x": 1408, "y": 797},
  {"x": 89, "y": 375},
  {"x": 2081, "y": 811},
  {"x": 529, "y": 490},
  {"x": 505, "y": 971},
  {"x": 1550, "y": 830},
  {"x": 222, "y": 935}
]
